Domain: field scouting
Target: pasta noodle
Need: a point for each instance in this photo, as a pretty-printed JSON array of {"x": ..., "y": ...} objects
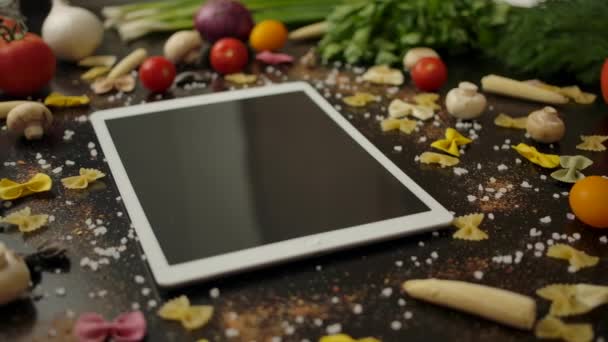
[
  {"x": 468, "y": 228},
  {"x": 504, "y": 120},
  {"x": 427, "y": 100},
  {"x": 191, "y": 316},
  {"x": 592, "y": 143},
  {"x": 575, "y": 299},
  {"x": 398, "y": 108},
  {"x": 82, "y": 181},
  {"x": 453, "y": 140},
  {"x": 404, "y": 125},
  {"x": 360, "y": 99},
  {"x": 551, "y": 327},
  {"x": 25, "y": 221},
  {"x": 436, "y": 158},
  {"x": 10, "y": 190},
  {"x": 549, "y": 161},
  {"x": 346, "y": 338},
  {"x": 241, "y": 78},
  {"x": 577, "y": 259},
  {"x": 571, "y": 168},
  {"x": 59, "y": 100}
]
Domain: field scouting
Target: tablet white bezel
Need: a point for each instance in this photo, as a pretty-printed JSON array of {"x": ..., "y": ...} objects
[{"x": 171, "y": 275}]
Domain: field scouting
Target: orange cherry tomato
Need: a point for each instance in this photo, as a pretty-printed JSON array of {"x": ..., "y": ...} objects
[
  {"x": 589, "y": 201},
  {"x": 268, "y": 35}
]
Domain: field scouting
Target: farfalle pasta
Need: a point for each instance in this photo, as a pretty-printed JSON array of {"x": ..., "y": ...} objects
[
  {"x": 452, "y": 142},
  {"x": 59, "y": 100},
  {"x": 382, "y": 74},
  {"x": 468, "y": 228},
  {"x": 82, "y": 181},
  {"x": 551, "y": 327},
  {"x": 241, "y": 78},
  {"x": 404, "y": 125},
  {"x": 399, "y": 108},
  {"x": 427, "y": 100},
  {"x": 592, "y": 143},
  {"x": 549, "y": 161},
  {"x": 346, "y": 338},
  {"x": 572, "y": 92},
  {"x": 571, "y": 168},
  {"x": 577, "y": 259},
  {"x": 191, "y": 316},
  {"x": 10, "y": 190},
  {"x": 506, "y": 121},
  {"x": 568, "y": 300},
  {"x": 25, "y": 221},
  {"x": 437, "y": 158},
  {"x": 360, "y": 99}
]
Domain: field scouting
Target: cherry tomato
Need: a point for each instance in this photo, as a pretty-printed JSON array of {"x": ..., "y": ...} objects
[
  {"x": 604, "y": 81},
  {"x": 228, "y": 55},
  {"x": 157, "y": 74},
  {"x": 268, "y": 35},
  {"x": 27, "y": 64},
  {"x": 589, "y": 201},
  {"x": 429, "y": 74}
]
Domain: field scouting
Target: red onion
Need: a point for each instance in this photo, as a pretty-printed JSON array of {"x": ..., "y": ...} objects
[{"x": 223, "y": 18}]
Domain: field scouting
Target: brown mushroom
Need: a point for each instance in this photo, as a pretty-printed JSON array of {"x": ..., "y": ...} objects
[
  {"x": 545, "y": 126},
  {"x": 14, "y": 275},
  {"x": 29, "y": 119}
]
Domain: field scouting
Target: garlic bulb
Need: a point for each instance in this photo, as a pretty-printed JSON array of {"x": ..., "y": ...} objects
[
  {"x": 545, "y": 126},
  {"x": 465, "y": 102},
  {"x": 73, "y": 33},
  {"x": 14, "y": 275}
]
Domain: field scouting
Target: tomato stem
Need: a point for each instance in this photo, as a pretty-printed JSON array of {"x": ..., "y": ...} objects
[{"x": 16, "y": 32}]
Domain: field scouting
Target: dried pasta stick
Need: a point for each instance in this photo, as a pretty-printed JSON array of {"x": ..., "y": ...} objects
[
  {"x": 513, "y": 88},
  {"x": 495, "y": 304},
  {"x": 127, "y": 64}
]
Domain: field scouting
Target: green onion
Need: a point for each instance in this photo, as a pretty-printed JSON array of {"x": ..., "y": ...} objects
[{"x": 137, "y": 20}]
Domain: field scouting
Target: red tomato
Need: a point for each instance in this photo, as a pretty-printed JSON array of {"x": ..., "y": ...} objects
[
  {"x": 27, "y": 64},
  {"x": 228, "y": 55},
  {"x": 429, "y": 74},
  {"x": 604, "y": 80},
  {"x": 157, "y": 74}
]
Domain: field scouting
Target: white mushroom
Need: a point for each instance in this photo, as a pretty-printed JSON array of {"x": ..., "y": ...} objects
[
  {"x": 14, "y": 275},
  {"x": 545, "y": 126},
  {"x": 184, "y": 47},
  {"x": 29, "y": 119},
  {"x": 413, "y": 55},
  {"x": 465, "y": 102}
]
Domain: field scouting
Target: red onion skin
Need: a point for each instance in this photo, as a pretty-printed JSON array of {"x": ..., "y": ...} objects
[{"x": 223, "y": 18}]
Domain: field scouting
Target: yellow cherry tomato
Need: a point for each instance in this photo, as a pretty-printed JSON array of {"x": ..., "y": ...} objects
[
  {"x": 268, "y": 35},
  {"x": 589, "y": 201}
]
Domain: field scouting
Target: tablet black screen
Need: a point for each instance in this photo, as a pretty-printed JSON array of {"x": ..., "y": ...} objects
[{"x": 227, "y": 176}]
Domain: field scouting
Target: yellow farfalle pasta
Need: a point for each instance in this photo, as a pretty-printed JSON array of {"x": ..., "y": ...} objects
[
  {"x": 577, "y": 259},
  {"x": 567, "y": 300},
  {"x": 453, "y": 140},
  {"x": 468, "y": 228},
  {"x": 241, "y": 78},
  {"x": 592, "y": 143},
  {"x": 506, "y": 121},
  {"x": 572, "y": 92},
  {"x": 25, "y": 221},
  {"x": 549, "y": 161},
  {"x": 427, "y": 100},
  {"x": 360, "y": 99},
  {"x": 191, "y": 316},
  {"x": 436, "y": 158},
  {"x": 551, "y": 327},
  {"x": 404, "y": 125},
  {"x": 10, "y": 190},
  {"x": 59, "y": 100},
  {"x": 346, "y": 338},
  {"x": 82, "y": 182}
]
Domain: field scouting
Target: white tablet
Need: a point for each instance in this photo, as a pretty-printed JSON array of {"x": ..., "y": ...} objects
[{"x": 220, "y": 183}]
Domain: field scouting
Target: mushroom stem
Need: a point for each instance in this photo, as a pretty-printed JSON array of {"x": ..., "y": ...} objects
[{"x": 33, "y": 131}]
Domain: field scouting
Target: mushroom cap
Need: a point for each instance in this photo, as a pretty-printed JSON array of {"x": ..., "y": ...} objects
[
  {"x": 545, "y": 125},
  {"x": 14, "y": 276},
  {"x": 183, "y": 46},
  {"x": 22, "y": 116},
  {"x": 465, "y": 102}
]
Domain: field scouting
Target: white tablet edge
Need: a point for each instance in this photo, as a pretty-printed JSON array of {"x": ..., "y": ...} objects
[{"x": 202, "y": 269}]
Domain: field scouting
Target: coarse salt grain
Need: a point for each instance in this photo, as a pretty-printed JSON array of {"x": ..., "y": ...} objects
[
  {"x": 502, "y": 167},
  {"x": 478, "y": 275},
  {"x": 604, "y": 239},
  {"x": 214, "y": 292},
  {"x": 387, "y": 292},
  {"x": 69, "y": 163},
  {"x": 556, "y": 196},
  {"x": 333, "y": 329},
  {"x": 491, "y": 216},
  {"x": 570, "y": 216},
  {"x": 471, "y": 198},
  {"x": 458, "y": 171},
  {"x": 139, "y": 279},
  {"x": 398, "y": 148},
  {"x": 396, "y": 325},
  {"x": 231, "y": 332},
  {"x": 576, "y": 236},
  {"x": 399, "y": 263},
  {"x": 408, "y": 315},
  {"x": 420, "y": 244},
  {"x": 546, "y": 219},
  {"x": 357, "y": 309},
  {"x": 525, "y": 184},
  {"x": 335, "y": 300},
  {"x": 401, "y": 302}
]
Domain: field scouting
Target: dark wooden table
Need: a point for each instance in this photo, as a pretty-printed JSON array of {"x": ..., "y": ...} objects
[{"x": 300, "y": 300}]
